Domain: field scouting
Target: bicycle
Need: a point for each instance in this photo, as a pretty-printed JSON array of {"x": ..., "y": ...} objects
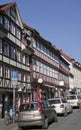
[{"x": 9, "y": 117}]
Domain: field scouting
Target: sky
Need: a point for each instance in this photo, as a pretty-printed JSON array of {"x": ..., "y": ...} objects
[{"x": 58, "y": 21}]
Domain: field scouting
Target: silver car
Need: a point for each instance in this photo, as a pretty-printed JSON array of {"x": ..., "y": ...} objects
[{"x": 36, "y": 114}]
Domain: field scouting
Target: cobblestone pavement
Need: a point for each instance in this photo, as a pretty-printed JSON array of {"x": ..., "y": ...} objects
[{"x": 12, "y": 126}]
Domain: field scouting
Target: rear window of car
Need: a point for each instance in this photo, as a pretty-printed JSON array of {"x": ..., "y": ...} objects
[
  {"x": 28, "y": 107},
  {"x": 54, "y": 101},
  {"x": 71, "y": 97}
]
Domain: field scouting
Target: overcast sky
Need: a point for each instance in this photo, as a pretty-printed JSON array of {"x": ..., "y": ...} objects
[{"x": 58, "y": 21}]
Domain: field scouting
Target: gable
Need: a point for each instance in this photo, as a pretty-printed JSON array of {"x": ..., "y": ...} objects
[{"x": 12, "y": 11}]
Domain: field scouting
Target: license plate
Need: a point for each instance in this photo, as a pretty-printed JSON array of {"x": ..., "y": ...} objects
[{"x": 27, "y": 116}]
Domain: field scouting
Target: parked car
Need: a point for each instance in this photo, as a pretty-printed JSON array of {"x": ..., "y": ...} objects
[
  {"x": 61, "y": 106},
  {"x": 74, "y": 100},
  {"x": 36, "y": 114}
]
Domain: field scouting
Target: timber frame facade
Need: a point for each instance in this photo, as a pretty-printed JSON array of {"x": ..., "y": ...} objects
[{"x": 43, "y": 71}]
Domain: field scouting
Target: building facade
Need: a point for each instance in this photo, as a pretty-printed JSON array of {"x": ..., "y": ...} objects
[
  {"x": 14, "y": 55},
  {"x": 43, "y": 72}
]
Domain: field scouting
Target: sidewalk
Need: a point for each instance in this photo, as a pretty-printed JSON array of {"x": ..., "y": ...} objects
[{"x": 11, "y": 126}]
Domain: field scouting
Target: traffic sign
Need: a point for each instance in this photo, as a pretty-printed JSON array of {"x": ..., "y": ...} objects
[{"x": 14, "y": 74}]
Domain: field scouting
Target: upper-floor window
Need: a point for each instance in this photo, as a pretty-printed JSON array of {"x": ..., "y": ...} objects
[
  {"x": 18, "y": 55},
  {"x": 13, "y": 13},
  {"x": 6, "y": 49},
  {"x": 23, "y": 58},
  {"x": 1, "y": 19},
  {"x": 12, "y": 28},
  {"x": 1, "y": 46},
  {"x": 7, "y": 72},
  {"x": 27, "y": 60},
  {"x": 0, "y": 70},
  {"x": 19, "y": 75},
  {"x": 6, "y": 23},
  {"x": 12, "y": 52},
  {"x": 18, "y": 33},
  {"x": 33, "y": 42},
  {"x": 23, "y": 76}
]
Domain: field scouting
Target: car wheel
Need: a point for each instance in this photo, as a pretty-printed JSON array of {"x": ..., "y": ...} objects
[
  {"x": 72, "y": 110},
  {"x": 45, "y": 126},
  {"x": 65, "y": 113},
  {"x": 56, "y": 117},
  {"x": 80, "y": 106},
  {"x": 20, "y": 128}
]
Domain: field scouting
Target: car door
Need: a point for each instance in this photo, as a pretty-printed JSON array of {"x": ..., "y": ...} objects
[
  {"x": 65, "y": 104},
  {"x": 50, "y": 111},
  {"x": 47, "y": 110}
]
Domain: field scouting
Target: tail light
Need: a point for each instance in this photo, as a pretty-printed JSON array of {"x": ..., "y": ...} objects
[
  {"x": 62, "y": 106},
  {"x": 39, "y": 107}
]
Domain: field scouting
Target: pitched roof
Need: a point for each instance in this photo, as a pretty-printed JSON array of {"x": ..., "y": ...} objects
[
  {"x": 65, "y": 56},
  {"x": 6, "y": 6}
]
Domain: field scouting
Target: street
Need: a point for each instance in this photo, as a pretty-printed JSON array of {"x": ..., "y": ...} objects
[{"x": 70, "y": 122}]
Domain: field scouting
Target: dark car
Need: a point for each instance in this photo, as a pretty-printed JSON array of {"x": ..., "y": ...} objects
[{"x": 36, "y": 114}]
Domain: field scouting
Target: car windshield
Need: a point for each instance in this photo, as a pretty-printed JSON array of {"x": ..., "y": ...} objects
[{"x": 28, "y": 107}]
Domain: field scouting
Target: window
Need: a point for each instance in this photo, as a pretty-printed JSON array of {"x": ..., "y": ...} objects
[
  {"x": 6, "y": 23},
  {"x": 0, "y": 70},
  {"x": 18, "y": 33},
  {"x": 12, "y": 52},
  {"x": 34, "y": 63},
  {"x": 33, "y": 42},
  {"x": 44, "y": 67},
  {"x": 1, "y": 46},
  {"x": 56, "y": 74},
  {"x": 48, "y": 70},
  {"x": 1, "y": 20},
  {"x": 23, "y": 58},
  {"x": 19, "y": 76},
  {"x": 12, "y": 28},
  {"x": 13, "y": 13},
  {"x": 6, "y": 49},
  {"x": 27, "y": 60},
  {"x": 23, "y": 77},
  {"x": 28, "y": 78},
  {"x": 7, "y": 72},
  {"x": 18, "y": 55}
]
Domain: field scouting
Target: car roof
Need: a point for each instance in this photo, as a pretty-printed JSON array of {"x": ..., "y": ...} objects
[
  {"x": 56, "y": 98},
  {"x": 35, "y": 102}
]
